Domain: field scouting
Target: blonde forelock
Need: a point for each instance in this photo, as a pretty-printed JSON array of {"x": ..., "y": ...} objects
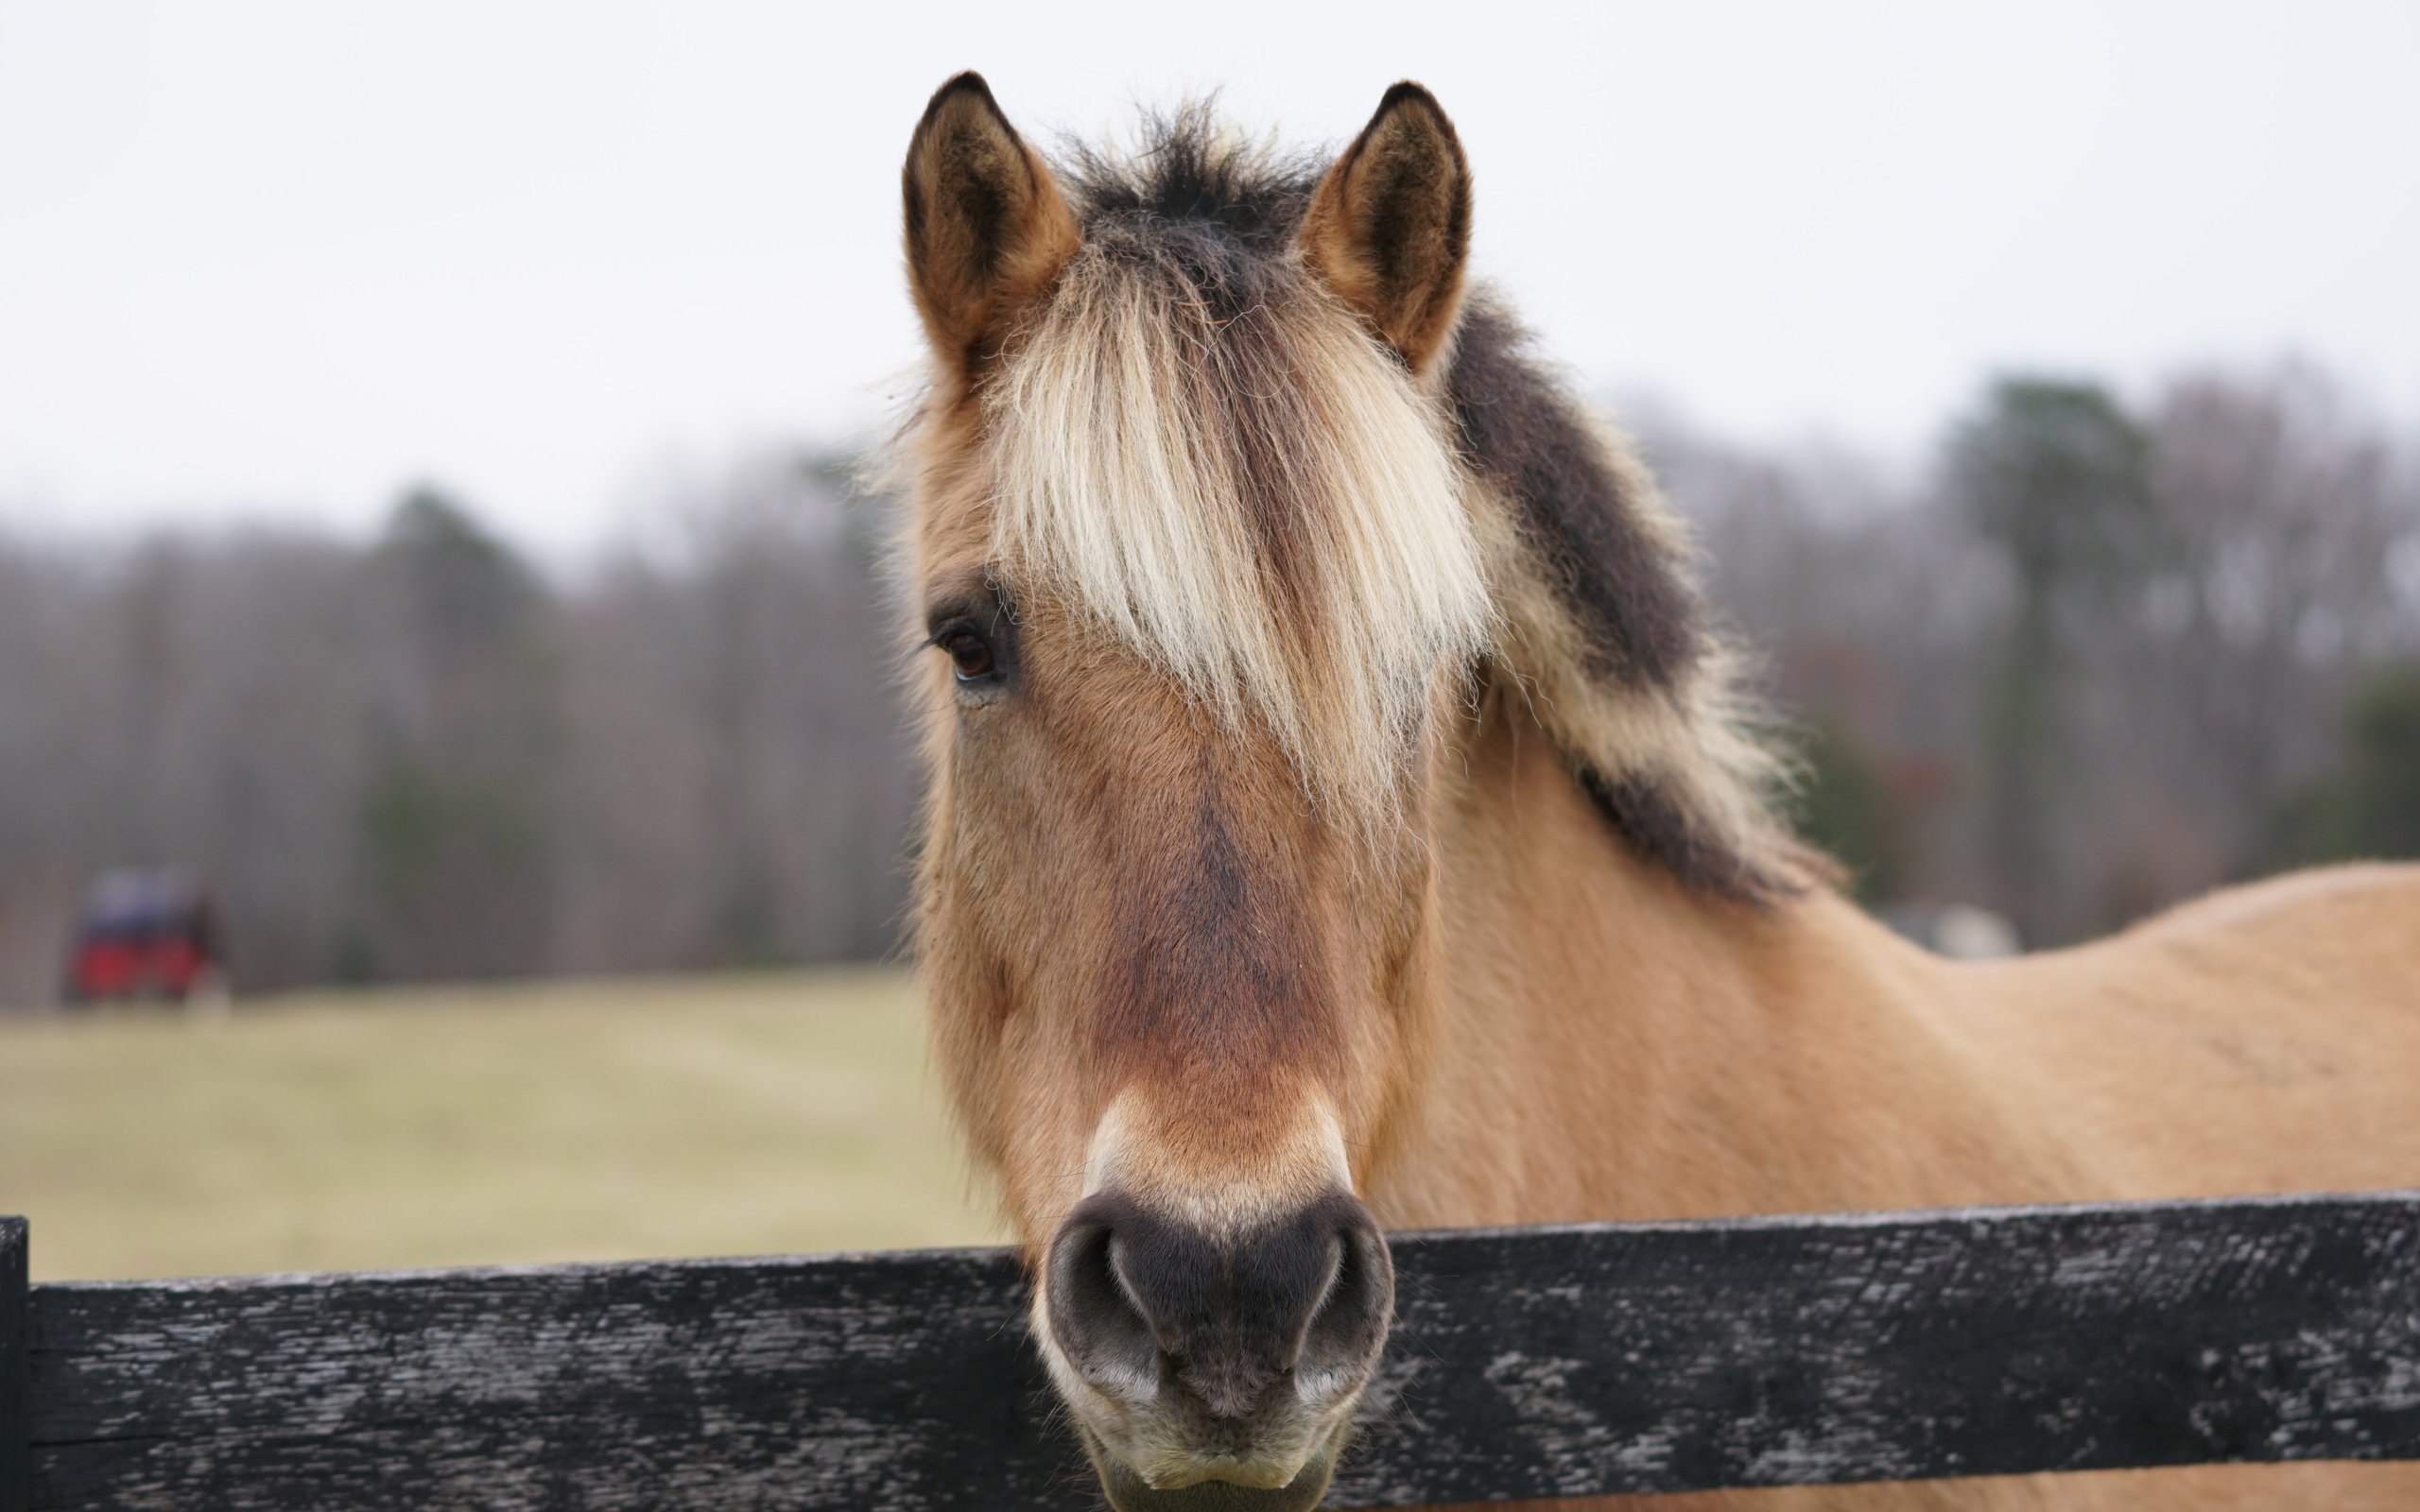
[{"x": 1258, "y": 501}]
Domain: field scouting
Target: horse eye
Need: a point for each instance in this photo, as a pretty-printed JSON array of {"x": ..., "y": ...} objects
[{"x": 969, "y": 654}]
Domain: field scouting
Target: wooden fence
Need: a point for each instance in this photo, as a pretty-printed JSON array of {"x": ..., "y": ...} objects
[{"x": 1524, "y": 1363}]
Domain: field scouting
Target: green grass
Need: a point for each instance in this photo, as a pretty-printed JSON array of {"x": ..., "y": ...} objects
[{"x": 701, "y": 1116}]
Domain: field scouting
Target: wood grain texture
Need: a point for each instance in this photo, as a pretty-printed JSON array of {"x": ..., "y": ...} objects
[
  {"x": 1526, "y": 1363},
  {"x": 16, "y": 1435},
  {"x": 1796, "y": 1351}
]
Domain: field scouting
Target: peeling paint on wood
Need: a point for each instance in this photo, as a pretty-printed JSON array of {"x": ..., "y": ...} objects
[
  {"x": 1798, "y": 1350},
  {"x": 1527, "y": 1363}
]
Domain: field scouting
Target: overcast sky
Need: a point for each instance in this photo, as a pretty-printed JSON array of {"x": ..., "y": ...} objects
[{"x": 278, "y": 259}]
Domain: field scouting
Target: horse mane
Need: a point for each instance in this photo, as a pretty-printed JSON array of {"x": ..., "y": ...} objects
[
  {"x": 1193, "y": 446},
  {"x": 1607, "y": 632}
]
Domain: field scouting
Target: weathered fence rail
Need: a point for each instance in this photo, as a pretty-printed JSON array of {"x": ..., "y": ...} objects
[{"x": 1542, "y": 1361}]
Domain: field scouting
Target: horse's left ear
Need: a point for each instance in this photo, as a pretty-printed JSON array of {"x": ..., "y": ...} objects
[
  {"x": 988, "y": 230},
  {"x": 1389, "y": 229}
]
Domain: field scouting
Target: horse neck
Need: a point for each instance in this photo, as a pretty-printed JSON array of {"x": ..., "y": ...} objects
[{"x": 1604, "y": 1043}]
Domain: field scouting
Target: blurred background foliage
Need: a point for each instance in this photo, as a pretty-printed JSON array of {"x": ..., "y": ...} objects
[
  {"x": 422, "y": 758},
  {"x": 2100, "y": 655},
  {"x": 2094, "y": 656}
]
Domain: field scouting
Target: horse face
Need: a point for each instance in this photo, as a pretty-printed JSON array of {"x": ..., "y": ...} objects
[
  {"x": 1171, "y": 1001},
  {"x": 1190, "y": 654}
]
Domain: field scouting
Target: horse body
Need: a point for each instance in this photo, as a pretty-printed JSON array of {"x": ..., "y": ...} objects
[
  {"x": 1626, "y": 1054},
  {"x": 1623, "y": 1049},
  {"x": 1344, "y": 816}
]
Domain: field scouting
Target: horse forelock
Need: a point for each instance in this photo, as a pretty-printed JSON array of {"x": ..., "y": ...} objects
[{"x": 1198, "y": 450}]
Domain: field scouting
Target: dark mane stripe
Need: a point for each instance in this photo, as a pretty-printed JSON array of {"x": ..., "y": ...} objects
[
  {"x": 1521, "y": 432},
  {"x": 1617, "y": 576},
  {"x": 1652, "y": 819}
]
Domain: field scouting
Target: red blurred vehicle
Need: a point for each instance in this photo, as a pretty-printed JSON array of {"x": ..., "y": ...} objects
[{"x": 147, "y": 934}]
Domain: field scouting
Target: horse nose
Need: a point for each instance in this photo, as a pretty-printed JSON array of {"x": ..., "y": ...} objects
[{"x": 1238, "y": 1320}]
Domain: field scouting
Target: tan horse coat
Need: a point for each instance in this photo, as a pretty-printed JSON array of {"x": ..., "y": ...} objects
[{"x": 1622, "y": 1049}]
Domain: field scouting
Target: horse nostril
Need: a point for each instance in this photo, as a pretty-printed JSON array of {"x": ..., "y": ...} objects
[
  {"x": 1098, "y": 1322},
  {"x": 1342, "y": 1336}
]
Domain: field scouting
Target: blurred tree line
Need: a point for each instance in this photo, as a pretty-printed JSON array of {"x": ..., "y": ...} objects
[
  {"x": 421, "y": 759},
  {"x": 2094, "y": 660}
]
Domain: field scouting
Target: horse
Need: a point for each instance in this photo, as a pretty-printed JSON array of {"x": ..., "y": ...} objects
[{"x": 1344, "y": 814}]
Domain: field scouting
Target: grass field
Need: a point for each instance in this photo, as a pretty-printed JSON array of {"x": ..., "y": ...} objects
[{"x": 703, "y": 1116}]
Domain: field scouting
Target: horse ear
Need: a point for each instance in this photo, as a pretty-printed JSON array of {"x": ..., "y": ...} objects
[
  {"x": 988, "y": 230},
  {"x": 1389, "y": 229}
]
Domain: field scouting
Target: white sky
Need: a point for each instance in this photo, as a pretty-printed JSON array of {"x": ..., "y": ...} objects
[{"x": 278, "y": 259}]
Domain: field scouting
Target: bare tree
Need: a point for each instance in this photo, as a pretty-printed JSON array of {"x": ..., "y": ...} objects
[{"x": 2279, "y": 501}]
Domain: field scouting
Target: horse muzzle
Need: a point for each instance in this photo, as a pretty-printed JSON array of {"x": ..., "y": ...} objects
[{"x": 1215, "y": 1371}]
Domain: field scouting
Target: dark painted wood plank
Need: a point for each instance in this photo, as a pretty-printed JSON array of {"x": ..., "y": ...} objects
[
  {"x": 1527, "y": 1363},
  {"x": 1798, "y": 1350},
  {"x": 896, "y": 1381},
  {"x": 16, "y": 1433}
]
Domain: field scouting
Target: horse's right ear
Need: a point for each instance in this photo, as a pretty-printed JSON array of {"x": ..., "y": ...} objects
[{"x": 987, "y": 229}]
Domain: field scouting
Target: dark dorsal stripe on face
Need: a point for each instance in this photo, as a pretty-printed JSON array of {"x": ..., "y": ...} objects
[{"x": 1217, "y": 979}]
